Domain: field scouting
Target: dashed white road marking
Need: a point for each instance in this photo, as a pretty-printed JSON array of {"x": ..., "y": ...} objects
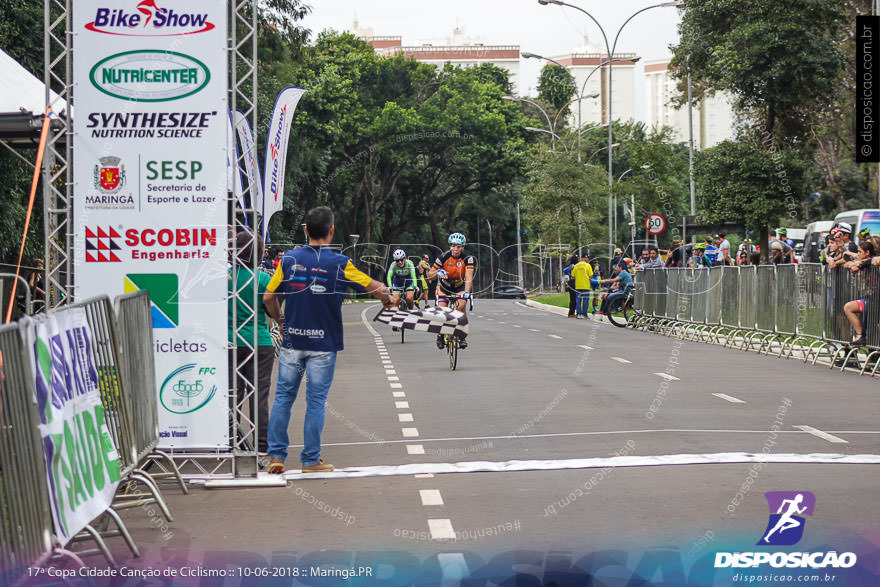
[
  {"x": 554, "y": 336},
  {"x": 501, "y": 322},
  {"x": 431, "y": 497},
  {"x": 398, "y": 394},
  {"x": 396, "y": 385},
  {"x": 517, "y": 326},
  {"x": 424, "y": 475},
  {"x": 386, "y": 361},
  {"x": 404, "y": 417},
  {"x": 415, "y": 449},
  {"x": 534, "y": 330},
  {"x": 401, "y": 405},
  {"x": 393, "y": 378},
  {"x": 621, "y": 360},
  {"x": 729, "y": 398},
  {"x": 441, "y": 529},
  {"x": 390, "y": 372},
  {"x": 667, "y": 377},
  {"x": 822, "y": 435},
  {"x": 585, "y": 347},
  {"x": 410, "y": 432}
]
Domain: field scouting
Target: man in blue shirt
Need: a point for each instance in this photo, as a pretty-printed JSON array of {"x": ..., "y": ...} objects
[
  {"x": 313, "y": 280},
  {"x": 623, "y": 279}
]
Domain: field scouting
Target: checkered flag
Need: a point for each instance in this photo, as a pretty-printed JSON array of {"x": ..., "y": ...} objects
[{"x": 433, "y": 320}]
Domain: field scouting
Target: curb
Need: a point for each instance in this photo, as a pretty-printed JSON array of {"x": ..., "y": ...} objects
[{"x": 560, "y": 311}]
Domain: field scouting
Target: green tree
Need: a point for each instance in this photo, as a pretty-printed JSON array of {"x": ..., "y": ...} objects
[
  {"x": 778, "y": 58},
  {"x": 556, "y": 85},
  {"x": 740, "y": 181}
]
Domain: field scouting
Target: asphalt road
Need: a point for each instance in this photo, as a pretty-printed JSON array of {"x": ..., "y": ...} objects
[{"x": 581, "y": 438}]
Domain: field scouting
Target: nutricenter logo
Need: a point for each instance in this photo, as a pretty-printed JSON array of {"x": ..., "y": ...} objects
[
  {"x": 786, "y": 528},
  {"x": 149, "y": 76},
  {"x": 149, "y": 20}
]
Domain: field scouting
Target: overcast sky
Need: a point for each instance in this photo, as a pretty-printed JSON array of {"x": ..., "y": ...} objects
[{"x": 546, "y": 30}]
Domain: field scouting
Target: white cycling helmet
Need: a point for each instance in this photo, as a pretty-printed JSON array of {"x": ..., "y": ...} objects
[
  {"x": 399, "y": 255},
  {"x": 456, "y": 238}
]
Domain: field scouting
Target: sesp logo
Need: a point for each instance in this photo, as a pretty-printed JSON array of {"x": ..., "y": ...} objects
[
  {"x": 786, "y": 526},
  {"x": 188, "y": 388},
  {"x": 149, "y": 20}
]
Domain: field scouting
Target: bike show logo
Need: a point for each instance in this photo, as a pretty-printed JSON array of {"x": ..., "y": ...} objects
[
  {"x": 188, "y": 388},
  {"x": 785, "y": 527},
  {"x": 149, "y": 76},
  {"x": 108, "y": 179},
  {"x": 149, "y": 20},
  {"x": 106, "y": 244},
  {"x": 163, "y": 288}
]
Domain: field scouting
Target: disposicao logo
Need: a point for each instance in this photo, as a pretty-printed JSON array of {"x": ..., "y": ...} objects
[
  {"x": 163, "y": 289},
  {"x": 149, "y": 20},
  {"x": 150, "y": 76},
  {"x": 786, "y": 528}
]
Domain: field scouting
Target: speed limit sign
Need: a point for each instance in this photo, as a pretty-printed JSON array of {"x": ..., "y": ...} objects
[{"x": 655, "y": 224}]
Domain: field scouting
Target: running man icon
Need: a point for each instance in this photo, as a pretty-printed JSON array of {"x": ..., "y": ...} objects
[{"x": 786, "y": 526}]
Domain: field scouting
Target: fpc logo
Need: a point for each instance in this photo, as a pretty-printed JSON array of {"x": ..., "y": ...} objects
[{"x": 786, "y": 524}]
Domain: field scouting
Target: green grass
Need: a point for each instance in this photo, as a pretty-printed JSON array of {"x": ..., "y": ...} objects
[{"x": 560, "y": 300}]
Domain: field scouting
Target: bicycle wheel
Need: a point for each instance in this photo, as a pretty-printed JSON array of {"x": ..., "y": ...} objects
[
  {"x": 402, "y": 305},
  {"x": 616, "y": 307},
  {"x": 452, "y": 349}
]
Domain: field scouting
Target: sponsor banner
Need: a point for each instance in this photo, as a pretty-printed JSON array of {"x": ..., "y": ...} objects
[
  {"x": 151, "y": 175},
  {"x": 82, "y": 465},
  {"x": 276, "y": 154},
  {"x": 251, "y": 164},
  {"x": 233, "y": 172}
]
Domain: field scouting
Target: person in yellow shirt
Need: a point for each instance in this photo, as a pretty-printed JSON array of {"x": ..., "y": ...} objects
[{"x": 581, "y": 273}]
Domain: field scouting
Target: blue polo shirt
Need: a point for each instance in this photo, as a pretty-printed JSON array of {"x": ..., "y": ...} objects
[{"x": 313, "y": 281}]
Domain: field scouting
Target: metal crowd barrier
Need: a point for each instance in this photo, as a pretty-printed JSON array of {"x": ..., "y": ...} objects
[
  {"x": 769, "y": 308},
  {"x": 26, "y": 522},
  {"x": 123, "y": 354}
]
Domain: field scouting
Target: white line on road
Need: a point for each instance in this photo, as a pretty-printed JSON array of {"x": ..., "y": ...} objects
[
  {"x": 501, "y": 322},
  {"x": 822, "y": 435},
  {"x": 369, "y": 326},
  {"x": 386, "y": 361},
  {"x": 398, "y": 394},
  {"x": 441, "y": 529},
  {"x": 627, "y": 461},
  {"x": 424, "y": 475},
  {"x": 667, "y": 377},
  {"x": 554, "y": 336},
  {"x": 431, "y": 497},
  {"x": 404, "y": 417},
  {"x": 393, "y": 378},
  {"x": 410, "y": 432},
  {"x": 729, "y": 398},
  {"x": 621, "y": 360},
  {"x": 401, "y": 405},
  {"x": 585, "y": 347},
  {"x": 396, "y": 385},
  {"x": 517, "y": 326},
  {"x": 534, "y": 330},
  {"x": 390, "y": 372},
  {"x": 415, "y": 449}
]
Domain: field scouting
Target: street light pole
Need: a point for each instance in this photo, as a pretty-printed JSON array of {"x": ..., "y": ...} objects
[
  {"x": 610, "y": 49},
  {"x": 544, "y": 112},
  {"x": 491, "y": 262},
  {"x": 519, "y": 265},
  {"x": 691, "y": 138}
]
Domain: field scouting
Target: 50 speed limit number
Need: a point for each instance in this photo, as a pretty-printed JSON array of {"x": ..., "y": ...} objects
[{"x": 655, "y": 224}]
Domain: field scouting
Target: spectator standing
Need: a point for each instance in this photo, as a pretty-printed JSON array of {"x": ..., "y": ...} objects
[
  {"x": 710, "y": 251},
  {"x": 38, "y": 293},
  {"x": 699, "y": 258},
  {"x": 581, "y": 274},
  {"x": 568, "y": 281},
  {"x": 313, "y": 280},
  {"x": 263, "y": 355},
  {"x": 654, "y": 260},
  {"x": 723, "y": 245},
  {"x": 786, "y": 253},
  {"x": 278, "y": 254},
  {"x": 855, "y": 309},
  {"x": 674, "y": 255}
]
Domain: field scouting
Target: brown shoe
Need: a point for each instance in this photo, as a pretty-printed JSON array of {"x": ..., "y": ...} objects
[
  {"x": 276, "y": 467},
  {"x": 571, "y": 316},
  {"x": 318, "y": 467}
]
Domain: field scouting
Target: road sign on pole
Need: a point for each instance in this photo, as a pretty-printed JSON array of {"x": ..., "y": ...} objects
[{"x": 655, "y": 224}]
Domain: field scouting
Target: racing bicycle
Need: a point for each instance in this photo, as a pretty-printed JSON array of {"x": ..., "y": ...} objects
[{"x": 451, "y": 343}]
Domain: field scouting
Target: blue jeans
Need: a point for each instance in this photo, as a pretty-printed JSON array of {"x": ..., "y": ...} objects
[
  {"x": 583, "y": 301},
  {"x": 318, "y": 367}
]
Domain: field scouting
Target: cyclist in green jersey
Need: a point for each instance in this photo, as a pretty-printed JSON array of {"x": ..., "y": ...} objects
[{"x": 401, "y": 278}]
